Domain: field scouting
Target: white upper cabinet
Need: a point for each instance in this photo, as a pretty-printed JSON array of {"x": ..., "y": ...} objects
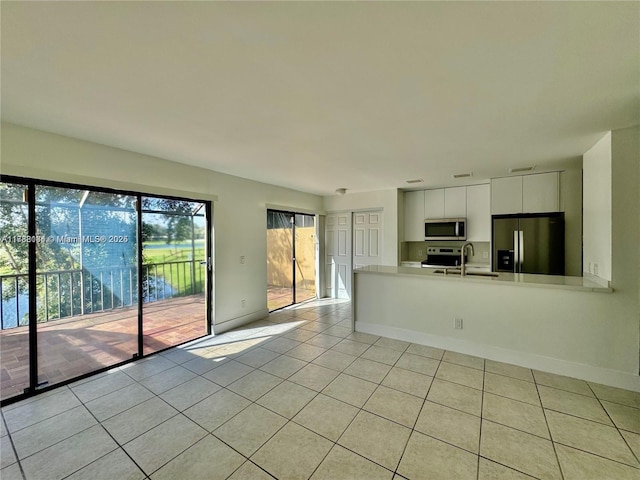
[
  {"x": 479, "y": 213},
  {"x": 445, "y": 202},
  {"x": 455, "y": 202},
  {"x": 414, "y": 216},
  {"x": 506, "y": 195},
  {"x": 536, "y": 193},
  {"x": 540, "y": 193},
  {"x": 434, "y": 203}
]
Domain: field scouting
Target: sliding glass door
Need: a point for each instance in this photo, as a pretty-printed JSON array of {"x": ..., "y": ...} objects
[
  {"x": 86, "y": 277},
  {"x": 305, "y": 257},
  {"x": 78, "y": 293},
  {"x": 14, "y": 289},
  {"x": 291, "y": 272},
  {"x": 174, "y": 272}
]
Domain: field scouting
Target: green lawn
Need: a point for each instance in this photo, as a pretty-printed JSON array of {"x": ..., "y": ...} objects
[{"x": 180, "y": 276}]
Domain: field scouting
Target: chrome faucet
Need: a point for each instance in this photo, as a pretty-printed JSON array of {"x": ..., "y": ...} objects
[{"x": 463, "y": 271}]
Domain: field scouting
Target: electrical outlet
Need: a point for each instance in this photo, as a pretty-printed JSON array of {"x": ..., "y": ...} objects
[
  {"x": 243, "y": 303},
  {"x": 457, "y": 323},
  {"x": 595, "y": 269},
  {"x": 242, "y": 259},
  {"x": 485, "y": 254}
]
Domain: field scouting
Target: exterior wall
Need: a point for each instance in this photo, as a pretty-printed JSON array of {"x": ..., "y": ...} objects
[{"x": 279, "y": 264}]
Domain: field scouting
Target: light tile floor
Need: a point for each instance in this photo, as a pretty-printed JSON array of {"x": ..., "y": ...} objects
[{"x": 298, "y": 396}]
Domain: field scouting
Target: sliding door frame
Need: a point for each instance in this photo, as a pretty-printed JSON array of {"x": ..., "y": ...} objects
[
  {"x": 34, "y": 388},
  {"x": 292, "y": 220}
]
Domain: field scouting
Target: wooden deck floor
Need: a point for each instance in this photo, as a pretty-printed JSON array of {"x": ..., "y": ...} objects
[
  {"x": 72, "y": 347},
  {"x": 278, "y": 297}
]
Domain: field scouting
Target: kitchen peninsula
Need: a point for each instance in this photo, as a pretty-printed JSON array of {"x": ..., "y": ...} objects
[{"x": 537, "y": 321}]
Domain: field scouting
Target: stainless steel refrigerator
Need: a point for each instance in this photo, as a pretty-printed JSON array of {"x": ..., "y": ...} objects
[{"x": 529, "y": 243}]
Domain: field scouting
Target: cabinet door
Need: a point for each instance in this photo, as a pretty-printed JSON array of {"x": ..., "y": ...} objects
[
  {"x": 540, "y": 193},
  {"x": 506, "y": 195},
  {"x": 479, "y": 213},
  {"x": 434, "y": 203},
  {"x": 414, "y": 216},
  {"x": 455, "y": 202}
]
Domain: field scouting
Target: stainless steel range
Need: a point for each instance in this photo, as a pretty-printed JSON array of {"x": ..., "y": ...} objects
[{"x": 439, "y": 257}]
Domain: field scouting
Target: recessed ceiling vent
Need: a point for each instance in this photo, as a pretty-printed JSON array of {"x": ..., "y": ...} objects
[
  {"x": 522, "y": 169},
  {"x": 463, "y": 175},
  {"x": 415, "y": 180}
]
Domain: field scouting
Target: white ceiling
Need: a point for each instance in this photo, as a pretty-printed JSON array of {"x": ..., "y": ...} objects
[{"x": 316, "y": 96}]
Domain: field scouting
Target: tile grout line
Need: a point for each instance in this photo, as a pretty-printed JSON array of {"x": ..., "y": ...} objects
[
  {"x": 484, "y": 376},
  {"x": 178, "y": 412},
  {"x": 166, "y": 420},
  {"x": 615, "y": 425},
  {"x": 546, "y": 420},
  {"x": 119, "y": 447},
  {"x": 13, "y": 447},
  {"x": 404, "y": 450},
  {"x": 361, "y": 409}
]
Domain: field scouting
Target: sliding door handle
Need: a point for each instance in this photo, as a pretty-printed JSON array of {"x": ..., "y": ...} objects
[{"x": 521, "y": 248}]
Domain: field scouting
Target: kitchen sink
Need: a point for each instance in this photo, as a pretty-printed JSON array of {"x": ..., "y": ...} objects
[{"x": 457, "y": 271}]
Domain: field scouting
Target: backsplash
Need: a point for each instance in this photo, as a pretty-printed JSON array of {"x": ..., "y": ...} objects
[{"x": 417, "y": 251}]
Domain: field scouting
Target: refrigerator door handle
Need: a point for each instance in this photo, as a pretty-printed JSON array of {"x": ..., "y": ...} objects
[
  {"x": 516, "y": 251},
  {"x": 521, "y": 248}
]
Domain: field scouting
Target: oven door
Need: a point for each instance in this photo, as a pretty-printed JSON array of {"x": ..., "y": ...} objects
[{"x": 445, "y": 229}]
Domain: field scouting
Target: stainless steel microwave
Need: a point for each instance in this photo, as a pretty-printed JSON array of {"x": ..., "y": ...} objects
[{"x": 445, "y": 229}]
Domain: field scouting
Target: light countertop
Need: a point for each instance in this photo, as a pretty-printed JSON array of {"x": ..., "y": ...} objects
[{"x": 504, "y": 278}]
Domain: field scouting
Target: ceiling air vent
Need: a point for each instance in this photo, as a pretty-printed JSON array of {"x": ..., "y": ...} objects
[
  {"x": 463, "y": 175},
  {"x": 415, "y": 180},
  {"x": 522, "y": 169}
]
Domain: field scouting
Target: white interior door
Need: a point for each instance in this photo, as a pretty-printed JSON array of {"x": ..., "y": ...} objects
[
  {"x": 338, "y": 255},
  {"x": 367, "y": 238}
]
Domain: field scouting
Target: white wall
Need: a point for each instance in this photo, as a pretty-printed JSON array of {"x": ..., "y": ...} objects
[
  {"x": 387, "y": 200},
  {"x": 239, "y": 209},
  {"x": 596, "y": 164},
  {"x": 625, "y": 227}
]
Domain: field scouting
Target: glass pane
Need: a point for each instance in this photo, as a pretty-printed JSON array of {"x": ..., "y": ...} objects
[
  {"x": 305, "y": 257},
  {"x": 14, "y": 290},
  {"x": 174, "y": 272},
  {"x": 86, "y": 281},
  {"x": 279, "y": 260}
]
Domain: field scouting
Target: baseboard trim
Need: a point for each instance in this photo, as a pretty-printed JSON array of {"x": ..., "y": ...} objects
[
  {"x": 613, "y": 378},
  {"x": 227, "y": 325}
]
